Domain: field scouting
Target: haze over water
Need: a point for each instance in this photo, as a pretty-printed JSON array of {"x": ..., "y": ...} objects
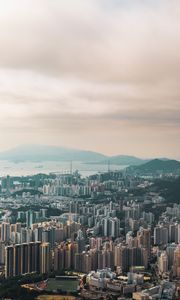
[{"x": 30, "y": 168}]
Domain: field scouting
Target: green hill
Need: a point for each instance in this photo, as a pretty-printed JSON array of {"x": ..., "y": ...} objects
[
  {"x": 124, "y": 160},
  {"x": 156, "y": 166}
]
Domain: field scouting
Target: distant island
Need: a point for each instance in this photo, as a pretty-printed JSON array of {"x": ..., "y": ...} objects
[{"x": 42, "y": 153}]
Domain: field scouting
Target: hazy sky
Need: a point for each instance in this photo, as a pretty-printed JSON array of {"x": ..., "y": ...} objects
[{"x": 101, "y": 75}]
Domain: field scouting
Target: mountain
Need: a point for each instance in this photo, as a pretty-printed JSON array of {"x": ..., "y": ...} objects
[
  {"x": 124, "y": 160},
  {"x": 156, "y": 166},
  {"x": 49, "y": 153},
  {"x": 40, "y": 153}
]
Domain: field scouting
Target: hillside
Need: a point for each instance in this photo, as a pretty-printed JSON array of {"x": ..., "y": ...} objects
[
  {"x": 49, "y": 153},
  {"x": 156, "y": 166},
  {"x": 169, "y": 189},
  {"x": 124, "y": 160},
  {"x": 42, "y": 153}
]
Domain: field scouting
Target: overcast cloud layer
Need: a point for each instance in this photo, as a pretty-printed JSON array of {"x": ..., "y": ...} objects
[{"x": 100, "y": 75}]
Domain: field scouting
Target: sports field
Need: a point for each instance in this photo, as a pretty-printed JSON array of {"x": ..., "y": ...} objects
[
  {"x": 64, "y": 285},
  {"x": 51, "y": 297}
]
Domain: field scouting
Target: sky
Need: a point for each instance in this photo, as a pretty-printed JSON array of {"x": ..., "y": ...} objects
[{"x": 99, "y": 75}]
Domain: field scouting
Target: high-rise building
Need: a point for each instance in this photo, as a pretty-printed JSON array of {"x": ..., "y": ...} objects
[
  {"x": 5, "y": 232},
  {"x": 87, "y": 263},
  {"x": 161, "y": 235},
  {"x": 176, "y": 264},
  {"x": 177, "y": 235},
  {"x": 2, "y": 253},
  {"x": 38, "y": 234},
  {"x": 43, "y": 212},
  {"x": 80, "y": 241},
  {"x": 34, "y": 255},
  {"x": 163, "y": 262},
  {"x": 9, "y": 261},
  {"x": 170, "y": 253},
  {"x": 78, "y": 262},
  {"x": 45, "y": 258},
  {"x": 22, "y": 259},
  {"x": 67, "y": 256},
  {"x": 172, "y": 230},
  {"x": 110, "y": 227},
  {"x": 59, "y": 235},
  {"x": 126, "y": 257},
  {"x": 18, "y": 227},
  {"x": 117, "y": 256},
  {"x": 30, "y": 218},
  {"x": 59, "y": 259},
  {"x": 46, "y": 236},
  {"x": 17, "y": 260},
  {"x": 144, "y": 239}
]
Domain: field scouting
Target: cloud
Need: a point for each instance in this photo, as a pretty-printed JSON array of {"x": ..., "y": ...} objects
[
  {"x": 98, "y": 67},
  {"x": 87, "y": 40}
]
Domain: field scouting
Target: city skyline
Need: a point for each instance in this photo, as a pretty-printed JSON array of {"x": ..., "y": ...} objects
[
  {"x": 105, "y": 81},
  {"x": 89, "y": 149}
]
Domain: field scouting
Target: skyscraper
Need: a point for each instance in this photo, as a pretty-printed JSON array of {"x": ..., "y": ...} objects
[
  {"x": 163, "y": 262},
  {"x": 45, "y": 258},
  {"x": 17, "y": 260},
  {"x": 9, "y": 259},
  {"x": 22, "y": 259},
  {"x": 5, "y": 232},
  {"x": 176, "y": 264}
]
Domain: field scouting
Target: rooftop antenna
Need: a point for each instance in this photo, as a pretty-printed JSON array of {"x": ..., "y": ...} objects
[
  {"x": 71, "y": 167},
  {"x": 108, "y": 166}
]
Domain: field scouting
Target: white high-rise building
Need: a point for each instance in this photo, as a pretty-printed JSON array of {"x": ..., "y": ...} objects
[
  {"x": 5, "y": 232},
  {"x": 163, "y": 262}
]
